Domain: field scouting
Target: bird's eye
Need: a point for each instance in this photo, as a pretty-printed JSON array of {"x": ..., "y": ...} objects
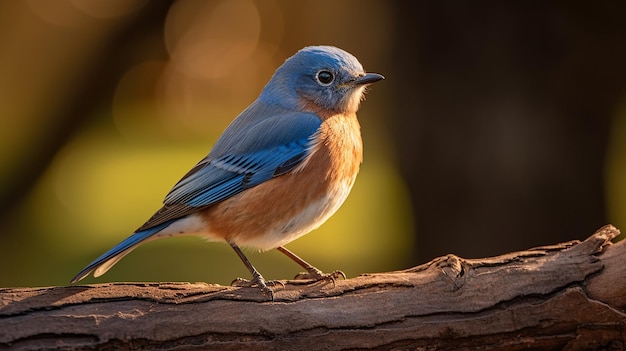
[{"x": 325, "y": 77}]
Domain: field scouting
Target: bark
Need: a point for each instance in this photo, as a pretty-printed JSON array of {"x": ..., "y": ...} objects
[{"x": 568, "y": 296}]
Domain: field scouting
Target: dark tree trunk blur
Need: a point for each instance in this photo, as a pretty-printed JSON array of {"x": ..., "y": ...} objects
[
  {"x": 93, "y": 90},
  {"x": 502, "y": 141}
]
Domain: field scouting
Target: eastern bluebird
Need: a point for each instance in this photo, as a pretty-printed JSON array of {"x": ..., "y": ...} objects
[{"x": 279, "y": 170}]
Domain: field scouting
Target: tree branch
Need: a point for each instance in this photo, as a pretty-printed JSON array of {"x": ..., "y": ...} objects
[{"x": 567, "y": 296}]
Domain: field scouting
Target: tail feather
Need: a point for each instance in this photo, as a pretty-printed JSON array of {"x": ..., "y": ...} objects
[{"x": 103, "y": 263}]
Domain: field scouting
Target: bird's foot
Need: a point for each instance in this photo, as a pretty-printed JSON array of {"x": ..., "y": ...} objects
[
  {"x": 311, "y": 273},
  {"x": 317, "y": 275},
  {"x": 260, "y": 282}
]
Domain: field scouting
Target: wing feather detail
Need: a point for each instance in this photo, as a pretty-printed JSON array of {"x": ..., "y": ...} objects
[{"x": 255, "y": 154}]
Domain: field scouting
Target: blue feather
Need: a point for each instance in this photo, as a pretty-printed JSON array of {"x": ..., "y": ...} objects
[{"x": 259, "y": 152}]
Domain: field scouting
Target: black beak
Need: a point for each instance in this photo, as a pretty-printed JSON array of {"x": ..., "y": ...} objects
[{"x": 368, "y": 78}]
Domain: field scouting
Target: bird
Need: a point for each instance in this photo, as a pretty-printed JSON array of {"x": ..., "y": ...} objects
[{"x": 281, "y": 168}]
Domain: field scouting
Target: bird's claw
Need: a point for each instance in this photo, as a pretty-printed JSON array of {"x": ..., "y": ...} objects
[
  {"x": 317, "y": 275},
  {"x": 260, "y": 283}
]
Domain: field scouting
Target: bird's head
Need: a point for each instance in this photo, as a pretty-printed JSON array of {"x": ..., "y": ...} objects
[{"x": 319, "y": 77}]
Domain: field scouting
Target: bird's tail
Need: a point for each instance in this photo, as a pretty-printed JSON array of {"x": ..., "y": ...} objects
[{"x": 103, "y": 263}]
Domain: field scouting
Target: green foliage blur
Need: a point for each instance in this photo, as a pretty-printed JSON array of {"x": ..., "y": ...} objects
[{"x": 183, "y": 81}]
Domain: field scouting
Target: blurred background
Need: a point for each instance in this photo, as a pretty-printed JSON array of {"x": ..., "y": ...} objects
[{"x": 501, "y": 126}]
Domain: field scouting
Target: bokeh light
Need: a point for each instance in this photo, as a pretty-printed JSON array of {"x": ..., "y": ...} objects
[
  {"x": 162, "y": 117},
  {"x": 106, "y": 104}
]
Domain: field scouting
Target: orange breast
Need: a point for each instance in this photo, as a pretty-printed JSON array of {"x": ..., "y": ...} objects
[{"x": 289, "y": 206}]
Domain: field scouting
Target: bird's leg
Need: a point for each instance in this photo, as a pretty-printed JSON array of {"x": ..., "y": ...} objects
[
  {"x": 311, "y": 272},
  {"x": 257, "y": 278}
]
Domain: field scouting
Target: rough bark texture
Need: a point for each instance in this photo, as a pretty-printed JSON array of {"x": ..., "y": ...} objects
[{"x": 569, "y": 296}]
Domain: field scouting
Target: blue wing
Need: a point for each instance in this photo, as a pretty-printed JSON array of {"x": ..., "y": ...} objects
[{"x": 250, "y": 152}]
